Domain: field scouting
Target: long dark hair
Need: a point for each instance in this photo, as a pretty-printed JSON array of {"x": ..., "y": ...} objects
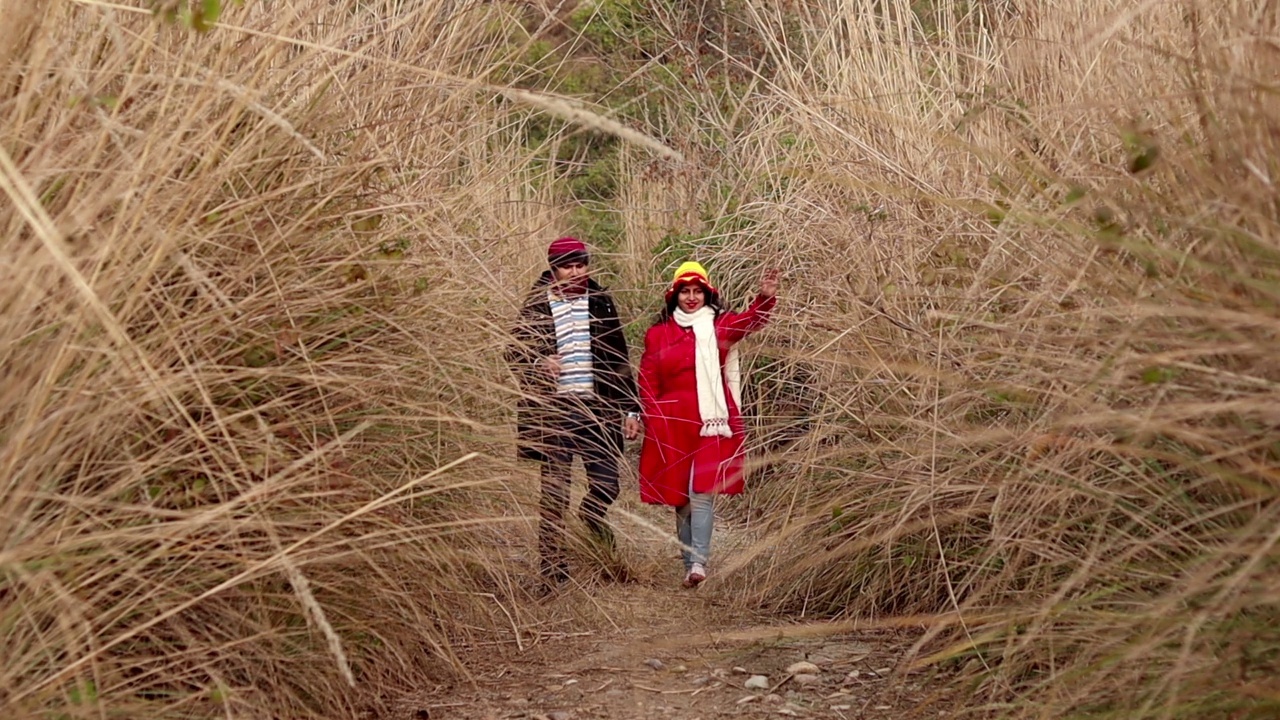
[{"x": 712, "y": 300}]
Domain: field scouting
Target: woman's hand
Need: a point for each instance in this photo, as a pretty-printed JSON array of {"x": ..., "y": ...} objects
[{"x": 769, "y": 283}]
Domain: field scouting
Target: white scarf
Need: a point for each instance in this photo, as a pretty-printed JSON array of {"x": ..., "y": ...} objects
[{"x": 711, "y": 380}]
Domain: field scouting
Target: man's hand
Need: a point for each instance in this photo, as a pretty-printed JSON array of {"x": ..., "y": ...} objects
[
  {"x": 769, "y": 283},
  {"x": 631, "y": 427},
  {"x": 551, "y": 366}
]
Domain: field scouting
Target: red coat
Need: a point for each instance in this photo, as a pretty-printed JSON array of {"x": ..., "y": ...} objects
[{"x": 669, "y": 397}]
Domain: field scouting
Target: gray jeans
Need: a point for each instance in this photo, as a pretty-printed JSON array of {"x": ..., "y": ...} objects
[{"x": 693, "y": 526}]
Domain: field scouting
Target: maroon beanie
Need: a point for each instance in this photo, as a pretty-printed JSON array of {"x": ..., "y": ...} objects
[{"x": 567, "y": 250}]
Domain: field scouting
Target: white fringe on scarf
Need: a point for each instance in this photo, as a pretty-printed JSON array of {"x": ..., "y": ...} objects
[{"x": 711, "y": 380}]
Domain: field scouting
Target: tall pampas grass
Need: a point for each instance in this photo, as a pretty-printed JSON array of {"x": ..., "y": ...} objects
[
  {"x": 1024, "y": 378},
  {"x": 250, "y": 466},
  {"x": 1019, "y": 394}
]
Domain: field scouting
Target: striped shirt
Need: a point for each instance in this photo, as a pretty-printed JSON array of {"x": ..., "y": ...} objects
[{"x": 572, "y": 318}]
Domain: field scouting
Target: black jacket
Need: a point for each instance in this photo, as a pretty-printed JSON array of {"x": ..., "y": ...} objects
[{"x": 535, "y": 339}]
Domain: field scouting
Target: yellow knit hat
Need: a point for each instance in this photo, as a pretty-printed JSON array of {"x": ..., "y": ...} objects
[{"x": 690, "y": 272}]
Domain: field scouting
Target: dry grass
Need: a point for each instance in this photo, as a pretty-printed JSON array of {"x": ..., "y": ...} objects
[
  {"x": 250, "y": 466},
  {"x": 1040, "y": 377},
  {"x": 255, "y": 283}
]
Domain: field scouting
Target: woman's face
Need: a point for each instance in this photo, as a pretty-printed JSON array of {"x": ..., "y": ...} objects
[{"x": 692, "y": 297}]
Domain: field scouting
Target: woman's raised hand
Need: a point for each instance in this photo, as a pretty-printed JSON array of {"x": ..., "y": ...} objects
[{"x": 769, "y": 283}]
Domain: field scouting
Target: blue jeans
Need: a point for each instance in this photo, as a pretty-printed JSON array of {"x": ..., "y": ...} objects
[{"x": 694, "y": 521}]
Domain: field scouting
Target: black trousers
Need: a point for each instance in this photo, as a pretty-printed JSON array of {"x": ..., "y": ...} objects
[{"x": 576, "y": 428}]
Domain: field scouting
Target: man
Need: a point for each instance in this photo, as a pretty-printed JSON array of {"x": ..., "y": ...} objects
[{"x": 579, "y": 397}]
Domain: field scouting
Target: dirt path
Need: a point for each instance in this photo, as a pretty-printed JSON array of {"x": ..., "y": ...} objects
[{"x": 648, "y": 648}]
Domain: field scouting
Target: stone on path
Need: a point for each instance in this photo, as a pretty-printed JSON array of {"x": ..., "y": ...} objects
[
  {"x": 805, "y": 679},
  {"x": 654, "y": 663},
  {"x": 756, "y": 682},
  {"x": 804, "y": 666}
]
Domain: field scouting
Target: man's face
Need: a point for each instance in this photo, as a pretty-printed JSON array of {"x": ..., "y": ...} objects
[{"x": 571, "y": 277}]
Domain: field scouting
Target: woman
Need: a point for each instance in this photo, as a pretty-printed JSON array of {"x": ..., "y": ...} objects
[{"x": 689, "y": 392}]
